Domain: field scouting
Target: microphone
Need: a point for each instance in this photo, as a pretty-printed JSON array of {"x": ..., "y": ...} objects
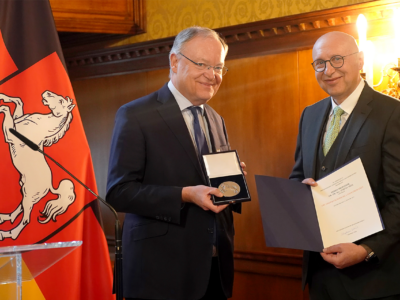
[
  {"x": 117, "y": 288},
  {"x": 27, "y": 141}
]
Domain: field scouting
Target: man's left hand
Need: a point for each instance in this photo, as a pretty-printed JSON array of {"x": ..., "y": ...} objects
[{"x": 344, "y": 255}]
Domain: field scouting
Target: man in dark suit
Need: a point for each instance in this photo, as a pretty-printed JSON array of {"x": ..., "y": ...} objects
[
  {"x": 176, "y": 243},
  {"x": 354, "y": 121}
]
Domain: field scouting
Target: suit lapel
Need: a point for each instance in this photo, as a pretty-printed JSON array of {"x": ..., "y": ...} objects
[
  {"x": 316, "y": 125},
  {"x": 356, "y": 120},
  {"x": 172, "y": 115}
]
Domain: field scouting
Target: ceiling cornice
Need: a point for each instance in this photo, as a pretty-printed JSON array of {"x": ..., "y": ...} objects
[{"x": 277, "y": 35}]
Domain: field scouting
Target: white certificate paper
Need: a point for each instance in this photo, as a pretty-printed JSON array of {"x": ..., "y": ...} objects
[{"x": 345, "y": 206}]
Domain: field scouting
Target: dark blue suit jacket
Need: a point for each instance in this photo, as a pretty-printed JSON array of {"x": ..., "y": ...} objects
[
  {"x": 373, "y": 133},
  {"x": 167, "y": 248}
]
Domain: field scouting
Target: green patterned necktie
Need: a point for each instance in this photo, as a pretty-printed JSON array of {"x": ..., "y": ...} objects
[{"x": 333, "y": 130}]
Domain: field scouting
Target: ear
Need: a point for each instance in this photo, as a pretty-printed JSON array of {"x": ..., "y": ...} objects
[
  {"x": 361, "y": 60},
  {"x": 70, "y": 107},
  {"x": 173, "y": 62}
]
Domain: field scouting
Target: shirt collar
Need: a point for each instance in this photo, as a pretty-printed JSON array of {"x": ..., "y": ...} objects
[
  {"x": 350, "y": 102},
  {"x": 182, "y": 101}
]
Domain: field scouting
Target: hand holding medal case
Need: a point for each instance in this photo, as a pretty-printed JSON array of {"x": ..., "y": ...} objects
[{"x": 224, "y": 172}]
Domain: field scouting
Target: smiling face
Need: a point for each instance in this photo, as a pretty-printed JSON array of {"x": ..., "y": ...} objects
[
  {"x": 198, "y": 86},
  {"x": 341, "y": 82}
]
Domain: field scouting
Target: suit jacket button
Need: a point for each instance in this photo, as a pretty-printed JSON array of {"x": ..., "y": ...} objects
[
  {"x": 165, "y": 219},
  {"x": 157, "y": 217},
  {"x": 169, "y": 219},
  {"x": 323, "y": 168}
]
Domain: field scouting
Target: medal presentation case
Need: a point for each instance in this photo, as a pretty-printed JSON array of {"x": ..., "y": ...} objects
[{"x": 224, "y": 172}]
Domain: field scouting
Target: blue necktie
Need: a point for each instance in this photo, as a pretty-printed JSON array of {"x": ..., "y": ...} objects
[
  {"x": 200, "y": 138},
  {"x": 202, "y": 148}
]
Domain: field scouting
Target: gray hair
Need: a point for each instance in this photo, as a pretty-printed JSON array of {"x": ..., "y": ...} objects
[{"x": 191, "y": 32}]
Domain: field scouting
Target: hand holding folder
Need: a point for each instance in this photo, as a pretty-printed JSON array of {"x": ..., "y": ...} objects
[{"x": 340, "y": 209}]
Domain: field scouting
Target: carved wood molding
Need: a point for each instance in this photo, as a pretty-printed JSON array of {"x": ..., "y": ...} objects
[
  {"x": 120, "y": 60},
  {"x": 300, "y": 32},
  {"x": 253, "y": 39},
  {"x": 272, "y": 264},
  {"x": 292, "y": 259}
]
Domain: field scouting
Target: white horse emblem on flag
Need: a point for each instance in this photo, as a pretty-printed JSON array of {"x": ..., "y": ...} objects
[{"x": 36, "y": 175}]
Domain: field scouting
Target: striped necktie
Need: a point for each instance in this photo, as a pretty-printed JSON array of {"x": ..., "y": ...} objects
[
  {"x": 333, "y": 130},
  {"x": 202, "y": 148},
  {"x": 200, "y": 138}
]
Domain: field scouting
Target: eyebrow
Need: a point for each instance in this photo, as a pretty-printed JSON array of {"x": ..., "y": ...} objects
[
  {"x": 331, "y": 56},
  {"x": 206, "y": 62}
]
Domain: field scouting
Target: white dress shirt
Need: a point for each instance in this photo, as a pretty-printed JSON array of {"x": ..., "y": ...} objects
[{"x": 184, "y": 103}]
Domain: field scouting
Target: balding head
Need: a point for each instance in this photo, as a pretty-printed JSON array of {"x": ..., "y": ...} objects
[
  {"x": 340, "y": 40},
  {"x": 338, "y": 82}
]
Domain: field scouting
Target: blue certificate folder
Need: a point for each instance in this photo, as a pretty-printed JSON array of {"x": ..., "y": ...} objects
[{"x": 292, "y": 222}]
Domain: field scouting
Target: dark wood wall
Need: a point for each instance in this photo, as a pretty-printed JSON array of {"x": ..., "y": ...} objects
[{"x": 261, "y": 99}]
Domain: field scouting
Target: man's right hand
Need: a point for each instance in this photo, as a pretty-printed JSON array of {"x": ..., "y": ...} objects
[
  {"x": 201, "y": 196},
  {"x": 309, "y": 181}
]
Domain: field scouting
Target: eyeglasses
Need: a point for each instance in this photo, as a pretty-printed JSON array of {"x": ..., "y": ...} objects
[
  {"x": 201, "y": 66},
  {"x": 336, "y": 62}
]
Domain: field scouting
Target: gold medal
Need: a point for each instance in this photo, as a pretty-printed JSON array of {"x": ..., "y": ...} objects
[{"x": 229, "y": 188}]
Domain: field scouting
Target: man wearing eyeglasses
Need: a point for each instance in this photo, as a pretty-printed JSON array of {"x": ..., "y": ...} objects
[
  {"x": 176, "y": 243},
  {"x": 354, "y": 121}
]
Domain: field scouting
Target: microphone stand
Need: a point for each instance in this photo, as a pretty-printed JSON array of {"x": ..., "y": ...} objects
[{"x": 117, "y": 285}]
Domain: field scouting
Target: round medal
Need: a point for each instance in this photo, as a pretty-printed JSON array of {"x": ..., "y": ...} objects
[{"x": 229, "y": 188}]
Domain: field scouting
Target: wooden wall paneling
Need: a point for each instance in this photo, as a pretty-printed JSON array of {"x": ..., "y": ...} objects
[
  {"x": 156, "y": 79},
  {"x": 98, "y": 101},
  {"x": 258, "y": 99},
  {"x": 266, "y": 287},
  {"x": 267, "y": 276},
  {"x": 100, "y": 16}
]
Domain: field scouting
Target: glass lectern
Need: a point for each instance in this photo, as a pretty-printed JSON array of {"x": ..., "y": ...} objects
[{"x": 23, "y": 263}]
